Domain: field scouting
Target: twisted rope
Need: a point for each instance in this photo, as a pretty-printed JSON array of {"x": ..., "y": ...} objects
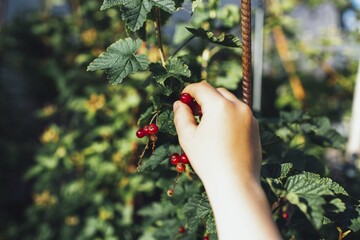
[{"x": 246, "y": 51}]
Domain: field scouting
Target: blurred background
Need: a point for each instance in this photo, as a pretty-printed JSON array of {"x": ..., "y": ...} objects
[{"x": 67, "y": 145}]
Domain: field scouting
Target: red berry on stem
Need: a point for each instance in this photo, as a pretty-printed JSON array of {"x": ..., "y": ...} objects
[
  {"x": 170, "y": 192},
  {"x": 186, "y": 98},
  {"x": 182, "y": 229},
  {"x": 206, "y": 237},
  {"x": 180, "y": 167},
  {"x": 285, "y": 215},
  {"x": 146, "y": 129},
  {"x": 184, "y": 159},
  {"x": 153, "y": 129},
  {"x": 175, "y": 158},
  {"x": 141, "y": 133}
]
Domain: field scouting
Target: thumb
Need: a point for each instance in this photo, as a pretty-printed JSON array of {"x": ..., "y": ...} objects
[{"x": 184, "y": 121}]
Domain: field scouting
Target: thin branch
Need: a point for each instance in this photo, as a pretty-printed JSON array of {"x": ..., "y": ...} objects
[
  {"x": 159, "y": 36},
  {"x": 183, "y": 45}
]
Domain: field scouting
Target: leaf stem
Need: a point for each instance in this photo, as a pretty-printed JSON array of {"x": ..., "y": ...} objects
[
  {"x": 159, "y": 36},
  {"x": 183, "y": 45}
]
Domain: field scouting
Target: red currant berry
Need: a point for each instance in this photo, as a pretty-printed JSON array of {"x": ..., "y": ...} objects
[
  {"x": 186, "y": 98},
  {"x": 170, "y": 192},
  {"x": 285, "y": 215},
  {"x": 153, "y": 129},
  {"x": 175, "y": 158},
  {"x": 141, "y": 133},
  {"x": 182, "y": 229},
  {"x": 180, "y": 167},
  {"x": 146, "y": 129},
  {"x": 206, "y": 237},
  {"x": 184, "y": 159}
]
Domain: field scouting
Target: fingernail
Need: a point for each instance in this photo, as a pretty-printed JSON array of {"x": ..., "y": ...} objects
[{"x": 176, "y": 105}]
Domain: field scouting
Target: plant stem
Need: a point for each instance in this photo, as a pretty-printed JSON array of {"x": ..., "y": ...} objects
[
  {"x": 183, "y": 45},
  {"x": 159, "y": 36}
]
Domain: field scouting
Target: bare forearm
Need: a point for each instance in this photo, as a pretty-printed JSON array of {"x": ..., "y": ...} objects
[{"x": 241, "y": 210}]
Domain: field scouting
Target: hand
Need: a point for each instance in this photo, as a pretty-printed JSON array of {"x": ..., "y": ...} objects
[
  {"x": 224, "y": 150},
  {"x": 226, "y": 141}
]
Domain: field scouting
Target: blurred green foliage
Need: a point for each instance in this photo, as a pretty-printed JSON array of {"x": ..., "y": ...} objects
[{"x": 73, "y": 167}]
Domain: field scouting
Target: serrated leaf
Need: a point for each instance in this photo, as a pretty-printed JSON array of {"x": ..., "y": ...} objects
[
  {"x": 355, "y": 222},
  {"x": 160, "y": 155},
  {"x": 333, "y": 186},
  {"x": 134, "y": 13},
  {"x": 197, "y": 210},
  {"x": 110, "y": 3},
  {"x": 307, "y": 191},
  {"x": 166, "y": 122},
  {"x": 211, "y": 225},
  {"x": 307, "y": 184},
  {"x": 166, "y": 5},
  {"x": 224, "y": 39},
  {"x": 285, "y": 169},
  {"x": 190, "y": 210},
  {"x": 203, "y": 208},
  {"x": 170, "y": 78},
  {"x": 339, "y": 204},
  {"x": 120, "y": 60}
]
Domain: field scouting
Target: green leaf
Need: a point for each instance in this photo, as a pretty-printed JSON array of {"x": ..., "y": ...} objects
[
  {"x": 170, "y": 78},
  {"x": 307, "y": 184},
  {"x": 160, "y": 155},
  {"x": 134, "y": 13},
  {"x": 203, "y": 208},
  {"x": 211, "y": 225},
  {"x": 120, "y": 60},
  {"x": 307, "y": 191},
  {"x": 166, "y": 122},
  {"x": 166, "y": 5},
  {"x": 190, "y": 210},
  {"x": 355, "y": 222},
  {"x": 285, "y": 169},
  {"x": 333, "y": 186},
  {"x": 339, "y": 204},
  {"x": 110, "y": 3},
  {"x": 197, "y": 210},
  {"x": 224, "y": 39}
]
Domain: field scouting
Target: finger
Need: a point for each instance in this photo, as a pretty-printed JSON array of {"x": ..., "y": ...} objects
[
  {"x": 203, "y": 93},
  {"x": 184, "y": 121},
  {"x": 228, "y": 95}
]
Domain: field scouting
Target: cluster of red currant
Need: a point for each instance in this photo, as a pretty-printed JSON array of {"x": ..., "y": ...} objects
[
  {"x": 147, "y": 130},
  {"x": 179, "y": 161}
]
